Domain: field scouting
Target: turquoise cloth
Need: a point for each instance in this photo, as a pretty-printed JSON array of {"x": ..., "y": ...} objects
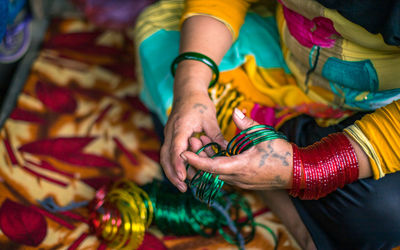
[{"x": 159, "y": 50}]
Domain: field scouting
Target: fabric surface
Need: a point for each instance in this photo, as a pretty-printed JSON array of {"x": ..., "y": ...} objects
[
  {"x": 386, "y": 16},
  {"x": 385, "y": 143},
  {"x": 79, "y": 125},
  {"x": 304, "y": 60},
  {"x": 338, "y": 221},
  {"x": 334, "y": 60},
  {"x": 253, "y": 75}
]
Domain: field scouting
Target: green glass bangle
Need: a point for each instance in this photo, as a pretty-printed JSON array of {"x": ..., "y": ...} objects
[{"x": 198, "y": 57}]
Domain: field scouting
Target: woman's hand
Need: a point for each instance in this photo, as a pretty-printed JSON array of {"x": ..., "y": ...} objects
[
  {"x": 192, "y": 109},
  {"x": 268, "y": 165},
  {"x": 190, "y": 113}
]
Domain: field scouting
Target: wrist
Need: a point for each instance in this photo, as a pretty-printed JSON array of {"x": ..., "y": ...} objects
[{"x": 190, "y": 86}]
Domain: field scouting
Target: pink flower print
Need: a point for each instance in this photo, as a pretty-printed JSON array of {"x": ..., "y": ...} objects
[{"x": 318, "y": 31}]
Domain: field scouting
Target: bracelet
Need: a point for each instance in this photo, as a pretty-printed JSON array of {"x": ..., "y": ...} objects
[
  {"x": 198, "y": 57},
  {"x": 207, "y": 185},
  {"x": 324, "y": 166}
]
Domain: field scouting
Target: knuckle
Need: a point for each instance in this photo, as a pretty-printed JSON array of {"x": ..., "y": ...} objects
[
  {"x": 218, "y": 136},
  {"x": 179, "y": 122}
]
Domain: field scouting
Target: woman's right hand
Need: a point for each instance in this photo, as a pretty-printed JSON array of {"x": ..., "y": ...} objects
[
  {"x": 192, "y": 109},
  {"x": 191, "y": 113}
]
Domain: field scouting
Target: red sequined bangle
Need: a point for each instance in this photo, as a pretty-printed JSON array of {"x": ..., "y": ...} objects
[{"x": 324, "y": 166}]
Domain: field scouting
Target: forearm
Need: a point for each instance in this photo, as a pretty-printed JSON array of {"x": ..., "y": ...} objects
[
  {"x": 282, "y": 173},
  {"x": 363, "y": 162},
  {"x": 205, "y": 35}
]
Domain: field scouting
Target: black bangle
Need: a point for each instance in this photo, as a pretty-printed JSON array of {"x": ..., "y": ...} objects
[{"x": 198, "y": 57}]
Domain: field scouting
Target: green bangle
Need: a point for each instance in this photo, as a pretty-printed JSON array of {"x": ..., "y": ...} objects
[{"x": 198, "y": 57}]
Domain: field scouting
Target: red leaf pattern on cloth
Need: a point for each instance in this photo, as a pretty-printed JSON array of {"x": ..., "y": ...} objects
[
  {"x": 89, "y": 93},
  {"x": 128, "y": 154},
  {"x": 76, "y": 243},
  {"x": 83, "y": 42},
  {"x": 57, "y": 146},
  {"x": 75, "y": 216},
  {"x": 44, "y": 177},
  {"x": 124, "y": 69},
  {"x": 54, "y": 218},
  {"x": 102, "y": 246},
  {"x": 68, "y": 150},
  {"x": 152, "y": 154},
  {"x": 57, "y": 99},
  {"x": 87, "y": 160},
  {"x": 27, "y": 116},
  {"x": 151, "y": 242},
  {"x": 22, "y": 224},
  {"x": 135, "y": 102},
  {"x": 72, "y": 40},
  {"x": 150, "y": 133},
  {"x": 10, "y": 152},
  {"x": 98, "y": 182},
  {"x": 103, "y": 113},
  {"x": 48, "y": 166}
]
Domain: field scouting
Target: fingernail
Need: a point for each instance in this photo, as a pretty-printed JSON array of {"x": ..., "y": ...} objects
[
  {"x": 238, "y": 113},
  {"x": 181, "y": 187},
  {"x": 180, "y": 176},
  {"x": 183, "y": 157}
]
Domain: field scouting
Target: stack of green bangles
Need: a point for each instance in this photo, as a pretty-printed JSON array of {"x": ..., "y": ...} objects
[{"x": 208, "y": 185}]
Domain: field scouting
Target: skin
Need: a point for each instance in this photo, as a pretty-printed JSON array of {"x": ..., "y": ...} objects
[
  {"x": 268, "y": 166},
  {"x": 193, "y": 111}
]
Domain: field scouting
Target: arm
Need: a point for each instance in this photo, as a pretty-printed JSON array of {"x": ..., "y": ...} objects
[
  {"x": 192, "y": 110},
  {"x": 269, "y": 165}
]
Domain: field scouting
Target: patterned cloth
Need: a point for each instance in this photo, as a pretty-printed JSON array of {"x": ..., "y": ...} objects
[
  {"x": 79, "y": 125},
  {"x": 254, "y": 75},
  {"x": 289, "y": 59}
]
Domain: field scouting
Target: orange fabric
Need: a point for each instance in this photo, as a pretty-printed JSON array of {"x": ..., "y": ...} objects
[{"x": 231, "y": 13}]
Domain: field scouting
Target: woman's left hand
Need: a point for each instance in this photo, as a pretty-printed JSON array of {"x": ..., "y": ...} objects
[{"x": 268, "y": 165}]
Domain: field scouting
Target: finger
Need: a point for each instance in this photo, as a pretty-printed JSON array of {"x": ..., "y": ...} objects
[
  {"x": 195, "y": 145},
  {"x": 191, "y": 172},
  {"x": 179, "y": 144},
  {"x": 213, "y": 131},
  {"x": 217, "y": 165},
  {"x": 206, "y": 140},
  {"x": 242, "y": 122},
  {"x": 169, "y": 170}
]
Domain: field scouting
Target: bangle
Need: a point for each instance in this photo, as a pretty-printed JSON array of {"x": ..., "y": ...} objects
[
  {"x": 198, "y": 57},
  {"x": 207, "y": 185},
  {"x": 328, "y": 165}
]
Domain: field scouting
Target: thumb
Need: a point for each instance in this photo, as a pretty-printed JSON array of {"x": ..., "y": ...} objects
[
  {"x": 213, "y": 131},
  {"x": 242, "y": 122}
]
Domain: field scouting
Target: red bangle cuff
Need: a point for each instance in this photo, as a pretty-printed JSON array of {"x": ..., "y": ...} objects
[{"x": 324, "y": 166}]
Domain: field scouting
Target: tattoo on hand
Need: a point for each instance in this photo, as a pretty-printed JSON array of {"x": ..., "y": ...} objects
[
  {"x": 263, "y": 157},
  {"x": 277, "y": 182},
  {"x": 200, "y": 107},
  {"x": 283, "y": 158},
  {"x": 273, "y": 154}
]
